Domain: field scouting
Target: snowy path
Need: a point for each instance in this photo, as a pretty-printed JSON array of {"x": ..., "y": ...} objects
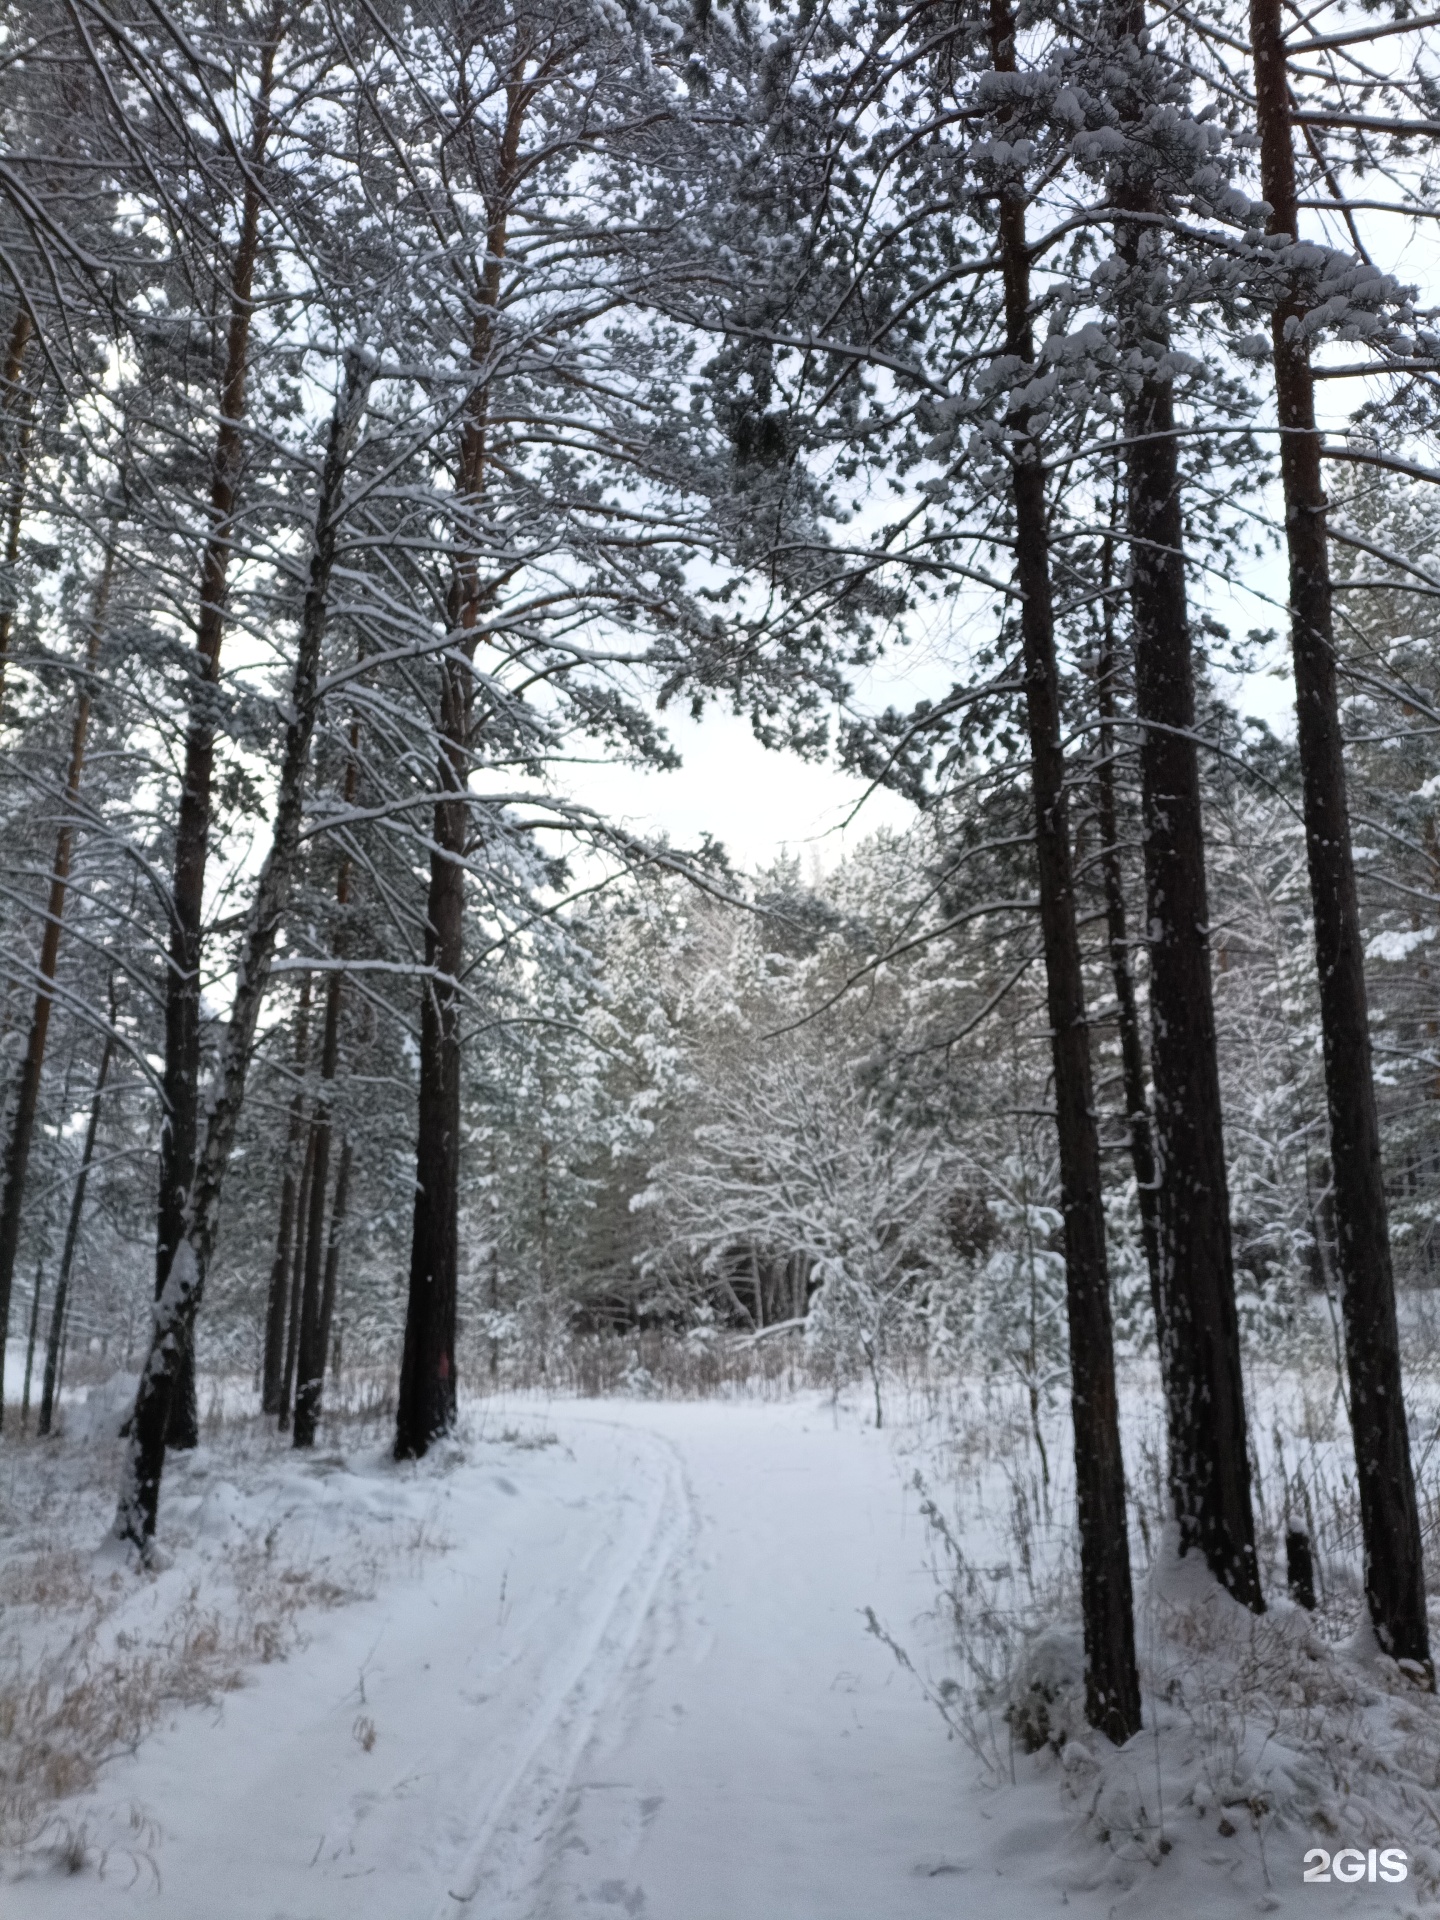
[
  {"x": 764, "y": 1756},
  {"x": 638, "y": 1684}
]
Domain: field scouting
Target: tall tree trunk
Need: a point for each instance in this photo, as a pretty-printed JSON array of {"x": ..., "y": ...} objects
[
  {"x": 60, "y": 1309},
  {"x": 180, "y": 1085},
  {"x": 426, "y": 1406},
  {"x": 184, "y": 1287},
  {"x": 1205, "y": 1392},
  {"x": 1394, "y": 1567},
  {"x": 30, "y": 1344},
  {"x": 1112, "y": 1686},
  {"x": 310, "y": 1352},
  {"x": 426, "y": 1401},
  {"x": 277, "y": 1298},
  {"x": 1200, "y": 1352},
  {"x": 1122, "y": 969},
  {"x": 22, "y": 1128},
  {"x": 310, "y": 1355},
  {"x": 297, "y": 1283},
  {"x": 494, "y": 1289},
  {"x": 16, "y": 410},
  {"x": 332, "y": 1251}
]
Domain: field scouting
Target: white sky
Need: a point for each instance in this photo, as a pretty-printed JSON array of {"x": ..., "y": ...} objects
[{"x": 761, "y": 804}]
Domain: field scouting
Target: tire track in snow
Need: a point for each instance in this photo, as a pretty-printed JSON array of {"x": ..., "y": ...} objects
[{"x": 507, "y": 1858}]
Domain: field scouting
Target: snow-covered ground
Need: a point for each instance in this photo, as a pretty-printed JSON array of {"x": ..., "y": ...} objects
[{"x": 605, "y": 1658}]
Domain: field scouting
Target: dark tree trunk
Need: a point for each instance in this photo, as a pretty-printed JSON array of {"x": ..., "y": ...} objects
[
  {"x": 30, "y": 1346},
  {"x": 332, "y": 1251},
  {"x": 297, "y": 1284},
  {"x": 179, "y": 1130},
  {"x": 314, "y": 1319},
  {"x": 1394, "y": 1566},
  {"x": 1122, "y": 968},
  {"x": 278, "y": 1296},
  {"x": 494, "y": 1256},
  {"x": 427, "y": 1397},
  {"x": 310, "y": 1351},
  {"x": 1112, "y": 1686},
  {"x": 179, "y": 1302},
  {"x": 1200, "y": 1352},
  {"x": 15, "y": 409},
  {"x": 1205, "y": 1392},
  {"x": 60, "y": 1310},
  {"x": 1300, "y": 1568},
  {"x": 427, "y": 1370},
  {"x": 22, "y": 1128}
]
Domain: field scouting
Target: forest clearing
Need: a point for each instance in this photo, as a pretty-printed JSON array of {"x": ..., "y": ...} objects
[{"x": 719, "y": 958}]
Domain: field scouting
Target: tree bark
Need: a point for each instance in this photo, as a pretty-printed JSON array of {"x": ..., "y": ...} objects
[
  {"x": 15, "y": 404},
  {"x": 179, "y": 1129},
  {"x": 60, "y": 1309},
  {"x": 1394, "y": 1565},
  {"x": 1112, "y": 1686},
  {"x": 22, "y": 1129},
  {"x": 184, "y": 1286},
  {"x": 278, "y": 1295},
  {"x": 426, "y": 1408},
  {"x": 314, "y": 1327},
  {"x": 1122, "y": 969},
  {"x": 30, "y": 1346},
  {"x": 426, "y": 1401},
  {"x": 297, "y": 1283},
  {"x": 1200, "y": 1350},
  {"x": 332, "y": 1253},
  {"x": 310, "y": 1351}
]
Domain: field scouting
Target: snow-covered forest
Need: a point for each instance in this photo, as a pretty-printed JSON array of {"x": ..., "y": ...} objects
[{"x": 971, "y": 1283}]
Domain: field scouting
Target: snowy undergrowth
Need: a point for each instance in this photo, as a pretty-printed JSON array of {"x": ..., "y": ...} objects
[
  {"x": 256, "y": 1539},
  {"x": 1263, "y": 1736}
]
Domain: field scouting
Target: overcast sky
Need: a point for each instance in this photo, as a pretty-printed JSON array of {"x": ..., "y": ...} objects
[{"x": 760, "y": 804}]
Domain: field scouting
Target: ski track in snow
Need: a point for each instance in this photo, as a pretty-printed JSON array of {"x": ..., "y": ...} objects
[
  {"x": 501, "y": 1871},
  {"x": 637, "y": 1687}
]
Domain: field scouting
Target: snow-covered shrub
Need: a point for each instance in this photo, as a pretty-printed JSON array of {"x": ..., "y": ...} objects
[
  {"x": 1045, "y": 1701},
  {"x": 1261, "y": 1732},
  {"x": 103, "y": 1411}
]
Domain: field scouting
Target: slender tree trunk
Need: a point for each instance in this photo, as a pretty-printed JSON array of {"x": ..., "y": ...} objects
[
  {"x": 427, "y": 1370},
  {"x": 179, "y": 1130},
  {"x": 310, "y": 1351},
  {"x": 1394, "y": 1566},
  {"x": 15, "y": 406},
  {"x": 494, "y": 1257},
  {"x": 332, "y": 1251},
  {"x": 30, "y": 1345},
  {"x": 297, "y": 1283},
  {"x": 801, "y": 1263},
  {"x": 1122, "y": 967},
  {"x": 175, "y": 1310},
  {"x": 1112, "y": 1686},
  {"x": 22, "y": 1128},
  {"x": 1205, "y": 1392},
  {"x": 1200, "y": 1352},
  {"x": 14, "y": 519},
  {"x": 278, "y": 1296},
  {"x": 60, "y": 1309},
  {"x": 426, "y": 1401},
  {"x": 64, "y": 1351},
  {"x": 314, "y": 1320}
]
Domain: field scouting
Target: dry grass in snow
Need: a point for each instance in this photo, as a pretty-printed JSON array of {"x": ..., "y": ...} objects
[
  {"x": 1264, "y": 1736},
  {"x": 93, "y": 1654}
]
